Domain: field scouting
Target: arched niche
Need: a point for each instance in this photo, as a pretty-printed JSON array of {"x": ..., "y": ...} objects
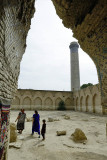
[
  {"x": 77, "y": 103},
  {"x": 26, "y": 103},
  {"x": 68, "y": 103},
  {"x": 96, "y": 104},
  {"x": 48, "y": 104},
  {"x": 87, "y": 102},
  {"x": 16, "y": 101},
  {"x": 37, "y": 104},
  {"x": 81, "y": 103},
  {"x": 57, "y": 102},
  {"x": 38, "y": 101}
]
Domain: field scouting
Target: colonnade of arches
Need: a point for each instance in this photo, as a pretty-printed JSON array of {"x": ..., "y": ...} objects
[
  {"x": 88, "y": 100},
  {"x": 40, "y": 102}
]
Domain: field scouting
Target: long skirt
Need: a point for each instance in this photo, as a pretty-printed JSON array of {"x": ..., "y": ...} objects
[
  {"x": 36, "y": 127},
  {"x": 20, "y": 126}
]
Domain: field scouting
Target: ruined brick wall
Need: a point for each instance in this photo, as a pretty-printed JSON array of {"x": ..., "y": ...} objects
[
  {"x": 41, "y": 99},
  {"x": 88, "y": 100},
  {"x": 14, "y": 27},
  {"x": 87, "y": 19},
  {"x": 15, "y": 20}
]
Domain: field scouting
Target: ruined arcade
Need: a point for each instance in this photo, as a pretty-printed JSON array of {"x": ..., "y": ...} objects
[{"x": 87, "y": 20}]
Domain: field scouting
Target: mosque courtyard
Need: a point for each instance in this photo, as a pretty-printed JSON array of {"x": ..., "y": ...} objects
[{"x": 62, "y": 147}]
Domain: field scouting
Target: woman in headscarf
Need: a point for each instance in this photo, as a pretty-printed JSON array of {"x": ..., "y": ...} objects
[
  {"x": 36, "y": 123},
  {"x": 21, "y": 120}
]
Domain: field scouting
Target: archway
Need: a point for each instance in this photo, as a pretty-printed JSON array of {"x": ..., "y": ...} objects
[
  {"x": 91, "y": 39},
  {"x": 77, "y": 103},
  {"x": 48, "y": 103},
  {"x": 13, "y": 45},
  {"x": 27, "y": 103},
  {"x": 87, "y": 103},
  {"x": 96, "y": 104},
  {"x": 16, "y": 103},
  {"x": 68, "y": 103},
  {"x": 38, "y": 103},
  {"x": 57, "y": 102},
  {"x": 81, "y": 103}
]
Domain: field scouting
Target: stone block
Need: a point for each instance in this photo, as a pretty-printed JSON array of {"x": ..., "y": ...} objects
[
  {"x": 13, "y": 134},
  {"x": 78, "y": 136},
  {"x": 60, "y": 133}
]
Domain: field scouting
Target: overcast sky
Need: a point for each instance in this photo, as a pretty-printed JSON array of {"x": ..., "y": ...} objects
[{"x": 46, "y": 62}]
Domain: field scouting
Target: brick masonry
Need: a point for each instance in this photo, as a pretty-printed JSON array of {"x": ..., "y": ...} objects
[{"x": 87, "y": 19}]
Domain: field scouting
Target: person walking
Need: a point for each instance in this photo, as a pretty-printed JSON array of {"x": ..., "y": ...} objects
[
  {"x": 43, "y": 130},
  {"x": 21, "y": 120},
  {"x": 36, "y": 123}
]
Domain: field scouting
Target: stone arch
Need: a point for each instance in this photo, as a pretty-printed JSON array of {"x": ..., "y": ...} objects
[
  {"x": 59, "y": 95},
  {"x": 87, "y": 102},
  {"x": 91, "y": 39},
  {"x": 57, "y": 102},
  {"x": 37, "y": 103},
  {"x": 48, "y": 103},
  {"x": 68, "y": 103},
  {"x": 77, "y": 103},
  {"x": 16, "y": 101},
  {"x": 27, "y": 103},
  {"x": 96, "y": 104},
  {"x": 81, "y": 103}
]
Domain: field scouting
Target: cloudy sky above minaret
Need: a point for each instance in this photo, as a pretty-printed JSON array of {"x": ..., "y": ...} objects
[{"x": 46, "y": 62}]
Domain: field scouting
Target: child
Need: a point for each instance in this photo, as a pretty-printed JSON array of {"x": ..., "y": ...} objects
[{"x": 43, "y": 130}]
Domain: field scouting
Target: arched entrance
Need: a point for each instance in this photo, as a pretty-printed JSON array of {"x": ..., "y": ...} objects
[
  {"x": 77, "y": 103},
  {"x": 16, "y": 103},
  {"x": 27, "y": 103},
  {"x": 87, "y": 103},
  {"x": 57, "y": 102},
  {"x": 68, "y": 103},
  {"x": 48, "y": 103},
  {"x": 12, "y": 46},
  {"x": 38, "y": 103},
  {"x": 81, "y": 103}
]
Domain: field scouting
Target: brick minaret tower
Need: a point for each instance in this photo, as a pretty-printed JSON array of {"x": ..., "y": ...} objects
[{"x": 74, "y": 66}]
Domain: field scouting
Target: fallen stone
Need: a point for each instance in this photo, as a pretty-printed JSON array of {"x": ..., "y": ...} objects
[
  {"x": 13, "y": 134},
  {"x": 92, "y": 118},
  {"x": 15, "y": 145},
  {"x": 86, "y": 120},
  {"x": 67, "y": 117},
  {"x": 79, "y": 136},
  {"x": 41, "y": 145},
  {"x": 56, "y": 119},
  {"x": 50, "y": 119},
  {"x": 63, "y": 115},
  {"x": 59, "y": 133}
]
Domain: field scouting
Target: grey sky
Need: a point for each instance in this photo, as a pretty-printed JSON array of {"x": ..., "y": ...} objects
[{"x": 46, "y": 62}]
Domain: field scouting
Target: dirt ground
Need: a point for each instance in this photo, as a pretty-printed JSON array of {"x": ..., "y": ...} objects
[{"x": 62, "y": 147}]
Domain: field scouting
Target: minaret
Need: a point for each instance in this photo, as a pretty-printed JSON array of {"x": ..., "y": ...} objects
[{"x": 74, "y": 66}]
